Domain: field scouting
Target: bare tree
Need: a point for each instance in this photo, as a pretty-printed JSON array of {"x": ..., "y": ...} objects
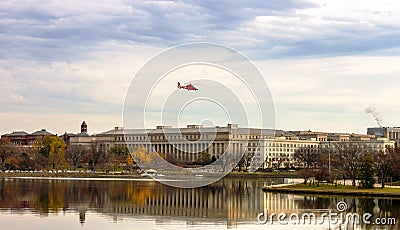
[
  {"x": 307, "y": 156},
  {"x": 97, "y": 155},
  {"x": 74, "y": 154},
  {"x": 351, "y": 155},
  {"x": 383, "y": 164},
  {"x": 245, "y": 161}
]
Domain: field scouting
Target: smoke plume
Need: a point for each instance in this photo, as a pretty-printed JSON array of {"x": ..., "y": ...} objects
[{"x": 375, "y": 114}]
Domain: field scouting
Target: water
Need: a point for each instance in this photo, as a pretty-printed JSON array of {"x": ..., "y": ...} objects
[{"x": 30, "y": 203}]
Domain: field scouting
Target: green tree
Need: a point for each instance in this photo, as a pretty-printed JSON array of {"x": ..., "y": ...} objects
[
  {"x": 43, "y": 146},
  {"x": 204, "y": 158},
  {"x": 367, "y": 179}
]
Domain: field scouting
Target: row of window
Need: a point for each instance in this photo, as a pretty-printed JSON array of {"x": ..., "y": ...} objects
[{"x": 284, "y": 145}]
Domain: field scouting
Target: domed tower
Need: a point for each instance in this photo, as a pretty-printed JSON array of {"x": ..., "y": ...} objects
[{"x": 83, "y": 127}]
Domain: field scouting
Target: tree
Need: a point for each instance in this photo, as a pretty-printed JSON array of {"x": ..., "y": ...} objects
[
  {"x": 306, "y": 174},
  {"x": 204, "y": 158},
  {"x": 14, "y": 159},
  {"x": 307, "y": 156},
  {"x": 96, "y": 156},
  {"x": 395, "y": 163},
  {"x": 367, "y": 179},
  {"x": 382, "y": 163},
  {"x": 74, "y": 154},
  {"x": 140, "y": 156},
  {"x": 117, "y": 155},
  {"x": 43, "y": 146},
  {"x": 5, "y": 149},
  {"x": 350, "y": 154},
  {"x": 245, "y": 161},
  {"x": 57, "y": 152}
]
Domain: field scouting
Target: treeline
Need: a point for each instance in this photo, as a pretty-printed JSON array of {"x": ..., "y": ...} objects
[
  {"x": 52, "y": 153},
  {"x": 352, "y": 161}
]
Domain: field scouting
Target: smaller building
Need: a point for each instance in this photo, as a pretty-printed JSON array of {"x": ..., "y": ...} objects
[
  {"x": 392, "y": 133},
  {"x": 24, "y": 138}
]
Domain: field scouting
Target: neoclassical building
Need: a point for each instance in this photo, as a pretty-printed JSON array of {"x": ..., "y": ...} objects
[{"x": 268, "y": 148}]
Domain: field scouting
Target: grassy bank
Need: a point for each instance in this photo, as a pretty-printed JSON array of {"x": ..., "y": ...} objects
[
  {"x": 264, "y": 175},
  {"x": 334, "y": 190}
]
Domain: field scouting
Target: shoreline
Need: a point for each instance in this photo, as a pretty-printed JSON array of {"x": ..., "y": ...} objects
[
  {"x": 237, "y": 175},
  {"x": 341, "y": 191}
]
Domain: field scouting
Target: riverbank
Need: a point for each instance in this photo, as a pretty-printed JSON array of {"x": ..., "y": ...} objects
[
  {"x": 88, "y": 174},
  {"x": 333, "y": 190},
  {"x": 71, "y": 175}
]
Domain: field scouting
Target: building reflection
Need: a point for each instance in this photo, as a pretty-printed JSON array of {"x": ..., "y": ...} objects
[{"x": 228, "y": 201}]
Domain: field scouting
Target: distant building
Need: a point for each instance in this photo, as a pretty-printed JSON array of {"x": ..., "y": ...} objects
[
  {"x": 67, "y": 136},
  {"x": 392, "y": 133},
  {"x": 24, "y": 138}
]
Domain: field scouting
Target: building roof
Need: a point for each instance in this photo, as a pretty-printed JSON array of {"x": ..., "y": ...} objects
[
  {"x": 81, "y": 135},
  {"x": 168, "y": 130},
  {"x": 42, "y": 132},
  {"x": 17, "y": 133}
]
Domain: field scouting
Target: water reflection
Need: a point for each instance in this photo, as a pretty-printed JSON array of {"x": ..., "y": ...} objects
[{"x": 229, "y": 202}]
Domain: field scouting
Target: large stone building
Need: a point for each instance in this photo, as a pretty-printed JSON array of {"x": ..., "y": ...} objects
[{"x": 268, "y": 148}]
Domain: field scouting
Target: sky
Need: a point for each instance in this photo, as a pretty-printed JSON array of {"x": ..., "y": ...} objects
[{"x": 325, "y": 62}]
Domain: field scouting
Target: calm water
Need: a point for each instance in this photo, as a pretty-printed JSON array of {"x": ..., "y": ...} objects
[{"x": 147, "y": 204}]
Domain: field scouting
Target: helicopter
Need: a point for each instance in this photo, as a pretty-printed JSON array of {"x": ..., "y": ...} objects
[{"x": 188, "y": 87}]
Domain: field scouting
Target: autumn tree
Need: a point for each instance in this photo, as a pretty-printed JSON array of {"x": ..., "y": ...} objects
[
  {"x": 5, "y": 149},
  {"x": 14, "y": 159},
  {"x": 57, "y": 152},
  {"x": 140, "y": 156}
]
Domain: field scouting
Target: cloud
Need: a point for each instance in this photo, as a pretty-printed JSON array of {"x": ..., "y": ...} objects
[
  {"x": 312, "y": 91},
  {"x": 79, "y": 57},
  {"x": 55, "y": 31}
]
